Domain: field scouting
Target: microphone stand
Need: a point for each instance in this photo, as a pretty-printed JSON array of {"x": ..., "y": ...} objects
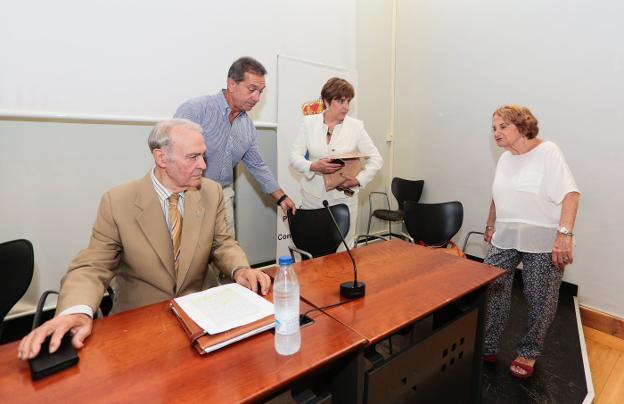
[{"x": 350, "y": 290}]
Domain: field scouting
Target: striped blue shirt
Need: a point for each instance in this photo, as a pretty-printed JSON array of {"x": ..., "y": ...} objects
[{"x": 227, "y": 144}]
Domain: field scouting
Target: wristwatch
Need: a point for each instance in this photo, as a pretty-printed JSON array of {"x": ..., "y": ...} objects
[
  {"x": 563, "y": 230},
  {"x": 281, "y": 199}
]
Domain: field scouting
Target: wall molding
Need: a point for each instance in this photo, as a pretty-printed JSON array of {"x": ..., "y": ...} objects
[
  {"x": 602, "y": 321},
  {"x": 39, "y": 116}
]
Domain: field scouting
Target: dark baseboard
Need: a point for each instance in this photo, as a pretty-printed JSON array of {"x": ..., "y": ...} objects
[{"x": 601, "y": 321}]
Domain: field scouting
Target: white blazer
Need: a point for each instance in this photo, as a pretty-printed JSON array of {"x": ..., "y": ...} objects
[{"x": 349, "y": 136}]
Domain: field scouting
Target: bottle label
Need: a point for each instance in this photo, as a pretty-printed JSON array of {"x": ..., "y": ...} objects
[{"x": 287, "y": 326}]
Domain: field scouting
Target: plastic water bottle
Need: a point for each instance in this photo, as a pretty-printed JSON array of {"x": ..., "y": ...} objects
[{"x": 286, "y": 303}]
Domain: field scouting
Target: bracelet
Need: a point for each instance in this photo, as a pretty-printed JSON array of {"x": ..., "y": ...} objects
[
  {"x": 488, "y": 227},
  {"x": 281, "y": 199},
  {"x": 562, "y": 230}
]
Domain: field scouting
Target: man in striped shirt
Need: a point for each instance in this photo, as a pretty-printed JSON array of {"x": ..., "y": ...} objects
[{"x": 230, "y": 134}]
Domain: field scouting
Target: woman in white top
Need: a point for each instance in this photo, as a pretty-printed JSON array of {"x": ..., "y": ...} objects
[
  {"x": 531, "y": 220},
  {"x": 333, "y": 133}
]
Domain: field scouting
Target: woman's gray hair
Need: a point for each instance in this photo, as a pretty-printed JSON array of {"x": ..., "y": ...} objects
[{"x": 160, "y": 136}]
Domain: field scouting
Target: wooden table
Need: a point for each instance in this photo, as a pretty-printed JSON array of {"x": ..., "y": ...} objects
[
  {"x": 143, "y": 355},
  {"x": 407, "y": 284},
  {"x": 404, "y": 283}
]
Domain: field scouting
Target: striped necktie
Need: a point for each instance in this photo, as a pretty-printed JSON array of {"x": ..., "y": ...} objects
[{"x": 176, "y": 227}]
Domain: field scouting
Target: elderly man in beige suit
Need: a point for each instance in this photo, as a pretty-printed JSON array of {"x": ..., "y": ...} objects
[{"x": 152, "y": 240}]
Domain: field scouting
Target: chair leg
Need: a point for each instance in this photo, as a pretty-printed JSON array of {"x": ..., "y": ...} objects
[
  {"x": 390, "y": 229},
  {"x": 368, "y": 228}
]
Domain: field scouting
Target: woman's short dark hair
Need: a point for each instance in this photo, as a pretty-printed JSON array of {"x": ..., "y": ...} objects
[
  {"x": 337, "y": 89},
  {"x": 244, "y": 65},
  {"x": 520, "y": 116}
]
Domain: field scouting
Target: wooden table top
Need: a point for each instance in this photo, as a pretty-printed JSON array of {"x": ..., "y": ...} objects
[
  {"x": 405, "y": 282},
  {"x": 143, "y": 355}
]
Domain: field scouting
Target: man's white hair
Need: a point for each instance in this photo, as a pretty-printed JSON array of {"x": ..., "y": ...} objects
[{"x": 160, "y": 136}]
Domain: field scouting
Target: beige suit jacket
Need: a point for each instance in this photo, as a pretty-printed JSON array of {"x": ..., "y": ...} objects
[{"x": 131, "y": 246}]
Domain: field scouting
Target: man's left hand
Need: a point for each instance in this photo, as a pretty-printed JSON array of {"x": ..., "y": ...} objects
[
  {"x": 288, "y": 204},
  {"x": 251, "y": 278}
]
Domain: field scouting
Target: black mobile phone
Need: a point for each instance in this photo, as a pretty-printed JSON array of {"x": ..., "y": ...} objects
[
  {"x": 45, "y": 363},
  {"x": 337, "y": 161},
  {"x": 304, "y": 321}
]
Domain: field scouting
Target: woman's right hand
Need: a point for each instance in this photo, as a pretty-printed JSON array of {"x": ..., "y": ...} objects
[
  {"x": 324, "y": 166},
  {"x": 487, "y": 235}
]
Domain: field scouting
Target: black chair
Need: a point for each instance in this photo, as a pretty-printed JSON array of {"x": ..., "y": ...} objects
[
  {"x": 433, "y": 224},
  {"x": 470, "y": 233},
  {"x": 403, "y": 190},
  {"x": 313, "y": 233},
  {"x": 102, "y": 311},
  {"x": 17, "y": 262}
]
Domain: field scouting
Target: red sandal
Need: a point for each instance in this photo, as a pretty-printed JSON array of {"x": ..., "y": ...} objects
[
  {"x": 526, "y": 367},
  {"x": 491, "y": 358}
]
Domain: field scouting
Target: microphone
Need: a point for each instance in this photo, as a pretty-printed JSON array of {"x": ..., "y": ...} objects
[{"x": 350, "y": 290}]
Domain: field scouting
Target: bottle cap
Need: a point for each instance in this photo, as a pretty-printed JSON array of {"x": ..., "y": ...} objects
[{"x": 285, "y": 260}]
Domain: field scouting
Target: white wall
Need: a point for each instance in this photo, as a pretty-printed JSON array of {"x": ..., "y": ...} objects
[
  {"x": 255, "y": 212},
  {"x": 143, "y": 58},
  {"x": 52, "y": 178},
  {"x": 375, "y": 93},
  {"x": 135, "y": 60},
  {"x": 458, "y": 61}
]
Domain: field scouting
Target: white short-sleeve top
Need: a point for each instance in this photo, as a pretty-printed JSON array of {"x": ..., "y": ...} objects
[{"x": 528, "y": 190}]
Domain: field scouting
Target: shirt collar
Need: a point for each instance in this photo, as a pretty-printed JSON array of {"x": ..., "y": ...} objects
[
  {"x": 162, "y": 192},
  {"x": 224, "y": 107}
]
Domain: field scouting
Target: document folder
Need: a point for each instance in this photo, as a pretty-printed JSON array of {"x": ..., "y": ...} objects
[
  {"x": 205, "y": 342},
  {"x": 351, "y": 168}
]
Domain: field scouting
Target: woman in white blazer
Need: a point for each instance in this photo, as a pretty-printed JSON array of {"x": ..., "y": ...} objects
[{"x": 333, "y": 133}]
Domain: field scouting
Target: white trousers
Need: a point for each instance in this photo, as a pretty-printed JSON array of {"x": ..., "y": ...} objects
[
  {"x": 228, "y": 200},
  {"x": 214, "y": 276}
]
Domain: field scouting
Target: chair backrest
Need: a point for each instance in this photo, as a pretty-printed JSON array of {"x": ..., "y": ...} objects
[
  {"x": 406, "y": 190},
  {"x": 433, "y": 223},
  {"x": 17, "y": 261},
  {"x": 312, "y": 230}
]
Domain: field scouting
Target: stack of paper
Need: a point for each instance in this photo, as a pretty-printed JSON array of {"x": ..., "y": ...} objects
[{"x": 219, "y": 316}]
